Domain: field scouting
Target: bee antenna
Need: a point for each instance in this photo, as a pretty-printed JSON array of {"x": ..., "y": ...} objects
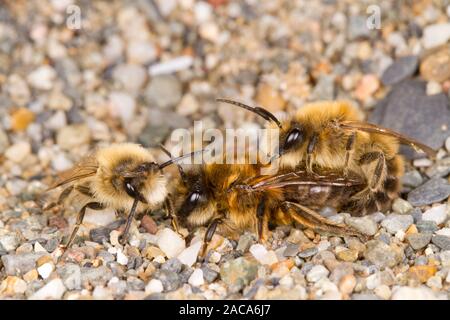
[
  {"x": 175, "y": 160},
  {"x": 180, "y": 168},
  {"x": 258, "y": 110}
]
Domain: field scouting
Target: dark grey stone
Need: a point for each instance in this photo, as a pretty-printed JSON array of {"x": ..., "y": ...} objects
[
  {"x": 432, "y": 191},
  {"x": 102, "y": 234},
  {"x": 308, "y": 252},
  {"x": 418, "y": 240},
  {"x": 441, "y": 241},
  {"x": 412, "y": 179},
  {"x": 170, "y": 280},
  {"x": 96, "y": 276},
  {"x": 209, "y": 274},
  {"x": 426, "y": 226},
  {"x": 17, "y": 264},
  {"x": 173, "y": 265},
  {"x": 185, "y": 274},
  {"x": 291, "y": 250},
  {"x": 399, "y": 70},
  {"x": 407, "y": 109}
]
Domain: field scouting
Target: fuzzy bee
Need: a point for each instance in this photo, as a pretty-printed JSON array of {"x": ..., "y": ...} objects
[
  {"x": 233, "y": 198},
  {"x": 123, "y": 176},
  {"x": 332, "y": 136}
]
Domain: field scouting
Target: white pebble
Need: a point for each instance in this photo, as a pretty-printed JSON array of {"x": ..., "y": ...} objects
[
  {"x": 122, "y": 105},
  {"x": 286, "y": 281},
  {"x": 57, "y": 121},
  {"x": 42, "y": 78},
  {"x": 159, "y": 259},
  {"x": 154, "y": 286},
  {"x": 114, "y": 238},
  {"x": 262, "y": 255},
  {"x": 424, "y": 162},
  {"x": 383, "y": 292},
  {"x": 20, "y": 286},
  {"x": 45, "y": 270},
  {"x": 373, "y": 281},
  {"x": 433, "y": 87},
  {"x": 203, "y": 12},
  {"x": 196, "y": 278},
  {"x": 60, "y": 162},
  {"x": 189, "y": 255},
  {"x": 171, "y": 66},
  {"x": 121, "y": 258},
  {"x": 100, "y": 218},
  {"x": 39, "y": 248},
  {"x": 437, "y": 214},
  {"x": 447, "y": 144},
  {"x": 412, "y": 293},
  {"x": 215, "y": 257},
  {"x": 130, "y": 76},
  {"x": 435, "y": 35},
  {"x": 52, "y": 290},
  {"x": 400, "y": 235},
  {"x": 141, "y": 52},
  {"x": 444, "y": 232},
  {"x": 101, "y": 293},
  {"x": 18, "y": 152},
  {"x": 170, "y": 242},
  {"x": 316, "y": 273}
]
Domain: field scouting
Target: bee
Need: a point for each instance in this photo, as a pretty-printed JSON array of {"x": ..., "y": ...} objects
[
  {"x": 233, "y": 198},
  {"x": 332, "y": 136},
  {"x": 122, "y": 176}
]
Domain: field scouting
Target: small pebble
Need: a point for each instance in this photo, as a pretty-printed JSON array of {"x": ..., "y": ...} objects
[
  {"x": 170, "y": 242},
  {"x": 154, "y": 286},
  {"x": 437, "y": 214},
  {"x": 52, "y": 290},
  {"x": 196, "y": 278}
]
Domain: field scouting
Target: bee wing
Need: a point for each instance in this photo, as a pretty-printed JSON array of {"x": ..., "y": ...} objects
[
  {"x": 301, "y": 178},
  {"x": 84, "y": 169},
  {"x": 372, "y": 128}
]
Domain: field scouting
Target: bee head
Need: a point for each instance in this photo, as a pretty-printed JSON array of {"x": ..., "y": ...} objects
[
  {"x": 194, "y": 205},
  {"x": 135, "y": 180},
  {"x": 292, "y": 138}
]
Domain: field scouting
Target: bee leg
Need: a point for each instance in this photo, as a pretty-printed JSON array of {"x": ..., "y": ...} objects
[
  {"x": 349, "y": 148},
  {"x": 309, "y": 152},
  {"x": 124, "y": 236},
  {"x": 376, "y": 176},
  {"x": 80, "y": 217},
  {"x": 168, "y": 205},
  {"x": 120, "y": 213},
  {"x": 262, "y": 220},
  {"x": 311, "y": 219},
  {"x": 63, "y": 196},
  {"x": 208, "y": 235}
]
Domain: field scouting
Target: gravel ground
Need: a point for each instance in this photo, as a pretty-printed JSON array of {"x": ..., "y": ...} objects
[{"x": 136, "y": 70}]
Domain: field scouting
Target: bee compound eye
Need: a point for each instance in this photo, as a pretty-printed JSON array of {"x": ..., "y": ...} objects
[
  {"x": 194, "y": 197},
  {"x": 129, "y": 188},
  {"x": 295, "y": 136}
]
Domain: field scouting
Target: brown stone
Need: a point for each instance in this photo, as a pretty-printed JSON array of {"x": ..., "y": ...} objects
[
  {"x": 149, "y": 224},
  {"x": 21, "y": 118},
  {"x": 422, "y": 273},
  {"x": 436, "y": 66}
]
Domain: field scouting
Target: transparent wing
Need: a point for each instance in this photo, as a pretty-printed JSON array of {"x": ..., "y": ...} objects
[
  {"x": 302, "y": 178},
  {"x": 372, "y": 128},
  {"x": 84, "y": 169}
]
